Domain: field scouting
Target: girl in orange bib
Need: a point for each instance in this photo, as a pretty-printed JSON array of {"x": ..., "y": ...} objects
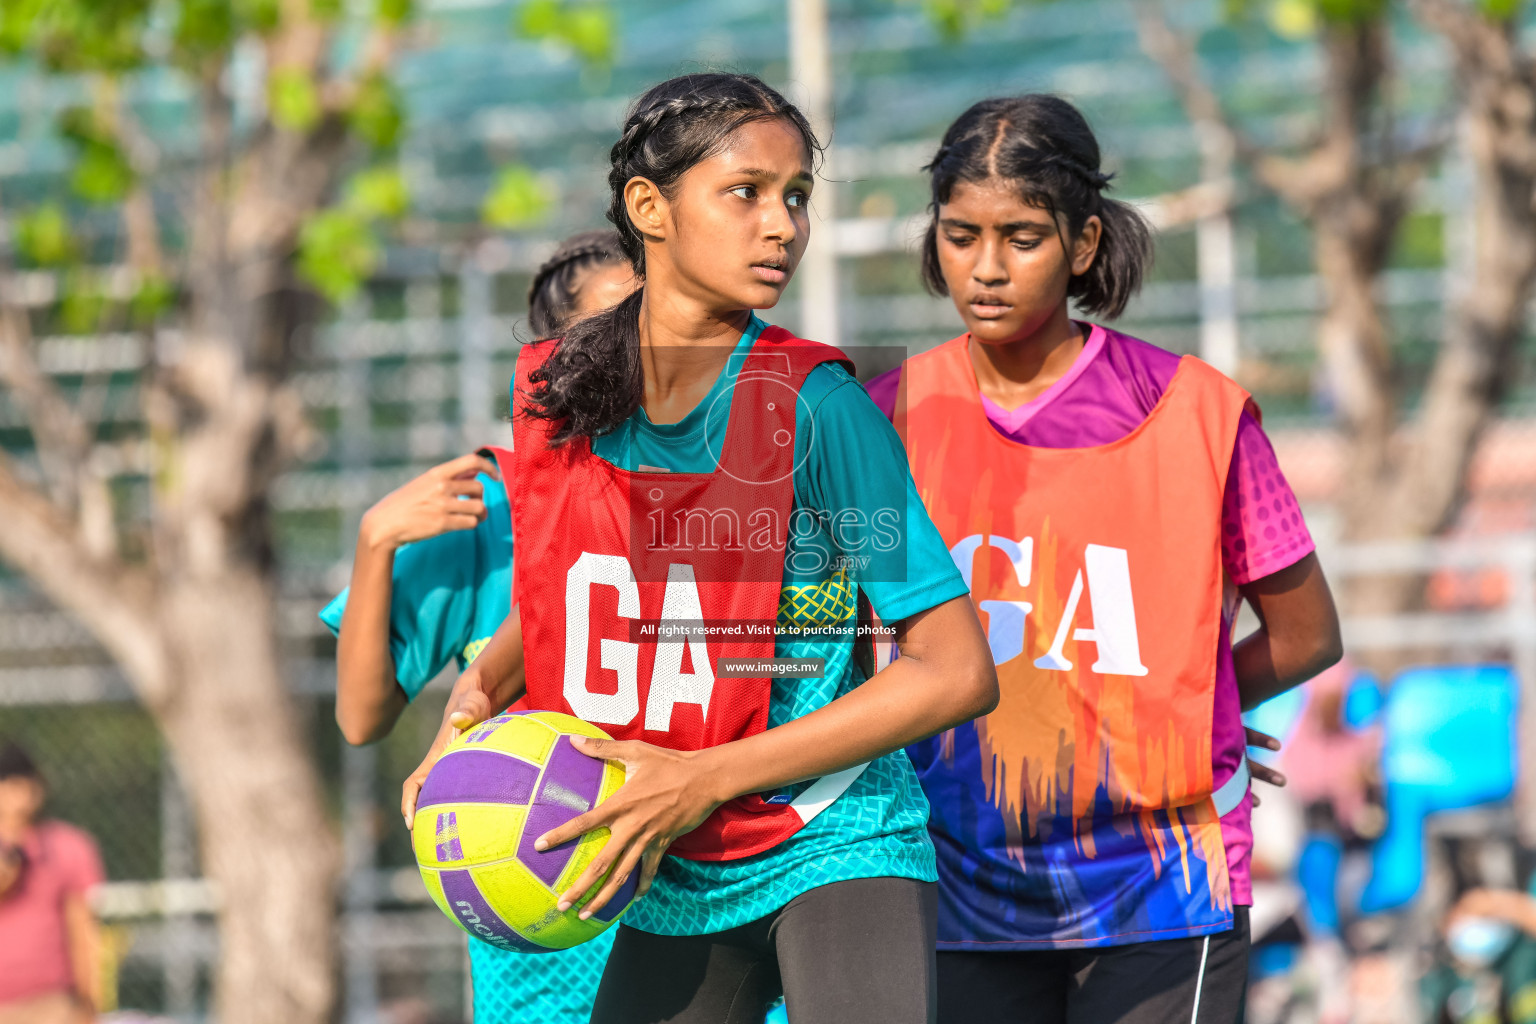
[{"x": 1109, "y": 503}]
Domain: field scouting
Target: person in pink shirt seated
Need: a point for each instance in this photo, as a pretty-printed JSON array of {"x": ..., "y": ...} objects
[
  {"x": 49, "y": 942},
  {"x": 1110, "y": 505}
]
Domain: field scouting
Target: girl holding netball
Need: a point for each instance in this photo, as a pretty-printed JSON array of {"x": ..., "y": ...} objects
[
  {"x": 679, "y": 461},
  {"x": 431, "y": 581},
  {"x": 1109, "y": 504}
]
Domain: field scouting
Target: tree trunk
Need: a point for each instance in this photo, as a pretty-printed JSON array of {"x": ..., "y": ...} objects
[
  {"x": 201, "y": 649},
  {"x": 228, "y": 715},
  {"x": 264, "y": 832}
]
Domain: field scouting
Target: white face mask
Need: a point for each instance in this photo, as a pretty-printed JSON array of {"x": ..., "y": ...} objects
[{"x": 1479, "y": 941}]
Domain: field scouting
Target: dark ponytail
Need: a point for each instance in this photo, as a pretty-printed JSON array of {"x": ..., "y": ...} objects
[
  {"x": 552, "y": 295},
  {"x": 592, "y": 380},
  {"x": 1044, "y": 146}
]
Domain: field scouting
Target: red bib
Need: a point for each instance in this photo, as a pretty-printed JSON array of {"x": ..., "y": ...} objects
[{"x": 602, "y": 555}]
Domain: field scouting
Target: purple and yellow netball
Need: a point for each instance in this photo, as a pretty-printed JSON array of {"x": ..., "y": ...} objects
[{"x": 495, "y": 790}]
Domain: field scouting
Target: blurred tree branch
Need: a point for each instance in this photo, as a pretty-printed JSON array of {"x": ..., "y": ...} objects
[
  {"x": 188, "y": 613},
  {"x": 1352, "y": 185}
]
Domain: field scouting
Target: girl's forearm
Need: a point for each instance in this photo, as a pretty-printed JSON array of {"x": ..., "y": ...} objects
[
  {"x": 936, "y": 684},
  {"x": 368, "y": 699},
  {"x": 497, "y": 676}
]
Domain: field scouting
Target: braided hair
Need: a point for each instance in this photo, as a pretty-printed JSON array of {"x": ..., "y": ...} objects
[
  {"x": 593, "y": 380},
  {"x": 1043, "y": 145},
  {"x": 552, "y": 295}
]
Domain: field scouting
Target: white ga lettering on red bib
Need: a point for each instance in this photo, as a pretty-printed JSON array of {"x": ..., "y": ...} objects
[
  {"x": 670, "y": 685},
  {"x": 1109, "y": 595}
]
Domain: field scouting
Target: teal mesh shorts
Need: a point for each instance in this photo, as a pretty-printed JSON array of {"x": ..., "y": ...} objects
[{"x": 546, "y": 988}]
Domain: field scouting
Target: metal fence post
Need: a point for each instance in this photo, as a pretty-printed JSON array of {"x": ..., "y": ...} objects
[
  {"x": 476, "y": 403},
  {"x": 810, "y": 67},
  {"x": 178, "y": 860},
  {"x": 358, "y": 764},
  {"x": 1521, "y": 566},
  {"x": 1216, "y": 262}
]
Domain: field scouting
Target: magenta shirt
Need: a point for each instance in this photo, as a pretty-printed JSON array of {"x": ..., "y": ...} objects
[{"x": 1112, "y": 386}]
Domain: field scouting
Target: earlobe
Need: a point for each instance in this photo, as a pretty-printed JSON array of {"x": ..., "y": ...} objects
[
  {"x": 1087, "y": 247},
  {"x": 647, "y": 207}
]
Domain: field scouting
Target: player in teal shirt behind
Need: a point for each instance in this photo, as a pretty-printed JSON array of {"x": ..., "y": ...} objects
[{"x": 431, "y": 581}]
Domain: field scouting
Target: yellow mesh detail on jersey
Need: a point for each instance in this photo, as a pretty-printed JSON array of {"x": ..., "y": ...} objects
[
  {"x": 827, "y": 603},
  {"x": 474, "y": 647}
]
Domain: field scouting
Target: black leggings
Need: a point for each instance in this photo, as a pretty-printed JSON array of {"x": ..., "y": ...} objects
[
  {"x": 856, "y": 952},
  {"x": 1169, "y": 981}
]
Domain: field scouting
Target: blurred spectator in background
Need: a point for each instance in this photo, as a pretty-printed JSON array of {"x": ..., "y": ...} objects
[
  {"x": 1334, "y": 778},
  {"x": 1486, "y": 973},
  {"x": 49, "y": 941}
]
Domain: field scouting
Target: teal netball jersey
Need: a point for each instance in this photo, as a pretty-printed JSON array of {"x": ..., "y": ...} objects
[
  {"x": 857, "y": 525},
  {"x": 449, "y": 595}
]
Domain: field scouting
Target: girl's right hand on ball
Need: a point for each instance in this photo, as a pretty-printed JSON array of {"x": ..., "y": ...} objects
[{"x": 444, "y": 498}]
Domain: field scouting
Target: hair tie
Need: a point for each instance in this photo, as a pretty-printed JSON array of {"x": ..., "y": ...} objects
[{"x": 1092, "y": 175}]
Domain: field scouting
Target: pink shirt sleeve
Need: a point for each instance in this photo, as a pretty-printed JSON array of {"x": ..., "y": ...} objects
[
  {"x": 1262, "y": 530},
  {"x": 80, "y": 868}
]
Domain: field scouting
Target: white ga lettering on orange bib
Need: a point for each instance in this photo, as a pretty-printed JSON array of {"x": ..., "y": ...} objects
[
  {"x": 1108, "y": 573},
  {"x": 670, "y": 685}
]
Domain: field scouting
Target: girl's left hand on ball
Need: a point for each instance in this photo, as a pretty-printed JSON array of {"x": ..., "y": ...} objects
[{"x": 666, "y": 794}]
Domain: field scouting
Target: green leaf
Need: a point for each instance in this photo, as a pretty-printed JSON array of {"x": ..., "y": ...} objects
[
  {"x": 77, "y": 35},
  {"x": 151, "y": 299},
  {"x": 205, "y": 28},
  {"x": 379, "y": 193},
  {"x": 948, "y": 16},
  {"x": 396, "y": 12},
  {"x": 586, "y": 29},
  {"x": 1351, "y": 12},
  {"x": 337, "y": 253},
  {"x": 261, "y": 16},
  {"x": 956, "y": 18},
  {"x": 589, "y": 32},
  {"x": 377, "y": 115},
  {"x": 43, "y": 236},
  {"x": 82, "y": 305},
  {"x": 539, "y": 19},
  {"x": 1500, "y": 10},
  {"x": 327, "y": 10},
  {"x": 102, "y": 173},
  {"x": 518, "y": 198},
  {"x": 18, "y": 23},
  {"x": 293, "y": 99}
]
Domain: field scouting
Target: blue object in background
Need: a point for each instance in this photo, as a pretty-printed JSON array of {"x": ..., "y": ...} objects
[
  {"x": 1271, "y": 959},
  {"x": 1317, "y": 872},
  {"x": 777, "y": 1015},
  {"x": 1364, "y": 701},
  {"x": 1278, "y": 715},
  {"x": 1449, "y": 737}
]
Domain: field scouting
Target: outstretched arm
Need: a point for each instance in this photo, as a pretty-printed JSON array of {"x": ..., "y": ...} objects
[{"x": 444, "y": 498}]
